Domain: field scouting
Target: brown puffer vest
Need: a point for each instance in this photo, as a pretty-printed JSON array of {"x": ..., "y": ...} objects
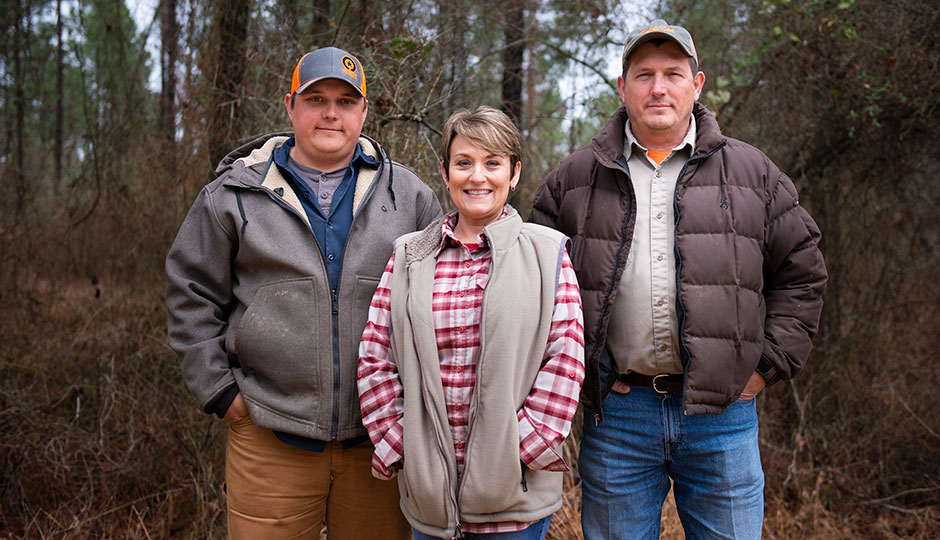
[{"x": 750, "y": 274}]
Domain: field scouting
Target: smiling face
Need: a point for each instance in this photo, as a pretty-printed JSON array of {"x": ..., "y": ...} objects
[
  {"x": 327, "y": 119},
  {"x": 658, "y": 91},
  {"x": 479, "y": 182}
]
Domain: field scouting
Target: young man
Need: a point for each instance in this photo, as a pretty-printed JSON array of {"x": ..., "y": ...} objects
[
  {"x": 268, "y": 288},
  {"x": 701, "y": 280}
]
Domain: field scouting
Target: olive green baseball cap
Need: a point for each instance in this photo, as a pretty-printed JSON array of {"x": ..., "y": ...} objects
[
  {"x": 328, "y": 63},
  {"x": 659, "y": 29}
]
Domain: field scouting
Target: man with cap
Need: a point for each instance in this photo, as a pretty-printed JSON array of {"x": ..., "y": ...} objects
[
  {"x": 701, "y": 281},
  {"x": 269, "y": 282}
]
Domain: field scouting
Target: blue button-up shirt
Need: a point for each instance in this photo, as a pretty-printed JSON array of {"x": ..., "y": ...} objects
[{"x": 330, "y": 230}]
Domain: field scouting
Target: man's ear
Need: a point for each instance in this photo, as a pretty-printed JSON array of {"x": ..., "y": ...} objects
[
  {"x": 698, "y": 82},
  {"x": 621, "y": 89}
]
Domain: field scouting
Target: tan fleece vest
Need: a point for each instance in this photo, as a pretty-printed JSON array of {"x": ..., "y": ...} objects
[{"x": 517, "y": 311}]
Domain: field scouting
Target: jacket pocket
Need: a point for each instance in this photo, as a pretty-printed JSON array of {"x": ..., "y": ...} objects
[
  {"x": 280, "y": 346},
  {"x": 425, "y": 488}
]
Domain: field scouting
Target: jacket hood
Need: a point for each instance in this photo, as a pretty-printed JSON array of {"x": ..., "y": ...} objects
[
  {"x": 245, "y": 150},
  {"x": 608, "y": 144}
]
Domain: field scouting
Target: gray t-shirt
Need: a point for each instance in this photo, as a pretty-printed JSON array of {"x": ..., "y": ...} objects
[{"x": 322, "y": 184}]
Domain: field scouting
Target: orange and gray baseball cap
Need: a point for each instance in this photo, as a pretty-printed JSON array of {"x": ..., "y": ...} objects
[
  {"x": 328, "y": 63},
  {"x": 659, "y": 29}
]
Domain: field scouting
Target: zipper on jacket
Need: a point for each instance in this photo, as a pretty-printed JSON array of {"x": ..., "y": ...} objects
[
  {"x": 334, "y": 429},
  {"x": 684, "y": 356},
  {"x": 599, "y": 407}
]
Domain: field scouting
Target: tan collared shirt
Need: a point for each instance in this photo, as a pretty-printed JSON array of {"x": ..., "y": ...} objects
[{"x": 643, "y": 333}]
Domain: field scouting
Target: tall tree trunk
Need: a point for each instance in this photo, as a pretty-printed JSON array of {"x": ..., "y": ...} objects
[
  {"x": 231, "y": 19},
  {"x": 452, "y": 27},
  {"x": 169, "y": 37},
  {"x": 57, "y": 149},
  {"x": 322, "y": 30},
  {"x": 513, "y": 55},
  {"x": 19, "y": 100}
]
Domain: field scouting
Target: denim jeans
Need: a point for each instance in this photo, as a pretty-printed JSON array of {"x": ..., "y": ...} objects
[
  {"x": 536, "y": 531},
  {"x": 627, "y": 460}
]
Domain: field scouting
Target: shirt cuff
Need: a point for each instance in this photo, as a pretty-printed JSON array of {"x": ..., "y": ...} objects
[
  {"x": 534, "y": 451},
  {"x": 386, "y": 460}
]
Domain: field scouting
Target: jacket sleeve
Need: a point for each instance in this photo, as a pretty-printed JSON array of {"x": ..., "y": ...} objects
[
  {"x": 545, "y": 416},
  {"x": 794, "y": 279},
  {"x": 428, "y": 208},
  {"x": 199, "y": 301},
  {"x": 545, "y": 207}
]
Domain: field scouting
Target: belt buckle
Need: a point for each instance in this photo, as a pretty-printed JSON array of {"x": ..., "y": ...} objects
[{"x": 656, "y": 378}]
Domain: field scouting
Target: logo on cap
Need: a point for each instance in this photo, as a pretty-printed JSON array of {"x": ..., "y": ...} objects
[{"x": 349, "y": 67}]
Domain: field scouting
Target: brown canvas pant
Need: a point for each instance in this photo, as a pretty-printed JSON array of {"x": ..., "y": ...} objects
[{"x": 279, "y": 492}]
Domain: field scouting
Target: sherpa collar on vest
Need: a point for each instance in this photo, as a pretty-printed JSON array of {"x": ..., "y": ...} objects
[{"x": 500, "y": 235}]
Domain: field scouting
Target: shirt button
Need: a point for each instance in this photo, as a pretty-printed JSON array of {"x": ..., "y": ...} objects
[
  {"x": 458, "y": 444},
  {"x": 324, "y": 196},
  {"x": 460, "y": 330},
  {"x": 330, "y": 257},
  {"x": 662, "y": 347},
  {"x": 360, "y": 374},
  {"x": 571, "y": 374},
  {"x": 459, "y": 369},
  {"x": 461, "y": 294},
  {"x": 660, "y": 302},
  {"x": 659, "y": 258},
  {"x": 659, "y": 174},
  {"x": 467, "y": 264},
  {"x": 659, "y": 215}
]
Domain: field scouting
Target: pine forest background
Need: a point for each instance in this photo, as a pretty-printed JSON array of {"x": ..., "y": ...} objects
[{"x": 111, "y": 126}]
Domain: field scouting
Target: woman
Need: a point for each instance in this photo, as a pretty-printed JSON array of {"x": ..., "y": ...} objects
[{"x": 473, "y": 356}]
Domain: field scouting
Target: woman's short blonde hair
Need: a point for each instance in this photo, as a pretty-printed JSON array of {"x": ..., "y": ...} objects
[{"x": 485, "y": 127}]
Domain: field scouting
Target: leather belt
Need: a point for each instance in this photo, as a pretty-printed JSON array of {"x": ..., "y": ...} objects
[{"x": 664, "y": 383}]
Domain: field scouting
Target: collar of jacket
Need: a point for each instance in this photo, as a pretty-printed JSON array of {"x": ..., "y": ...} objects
[
  {"x": 608, "y": 144},
  {"x": 258, "y": 155},
  {"x": 500, "y": 235}
]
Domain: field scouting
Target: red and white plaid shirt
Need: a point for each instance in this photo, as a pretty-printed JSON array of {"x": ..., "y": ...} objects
[{"x": 460, "y": 278}]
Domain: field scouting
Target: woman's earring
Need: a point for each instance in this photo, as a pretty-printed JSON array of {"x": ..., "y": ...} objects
[{"x": 512, "y": 188}]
